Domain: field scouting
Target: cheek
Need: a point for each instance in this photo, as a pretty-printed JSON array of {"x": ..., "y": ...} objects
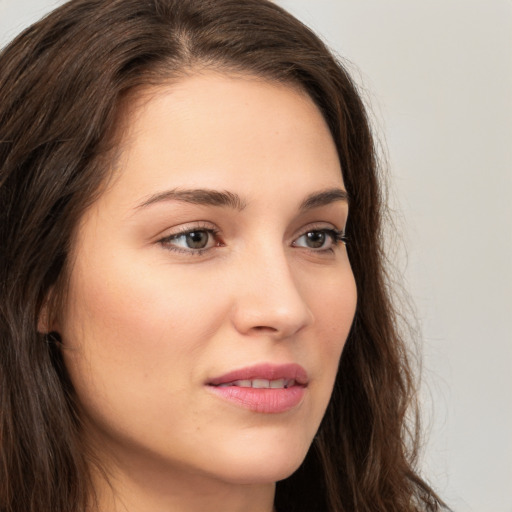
[
  {"x": 130, "y": 334},
  {"x": 335, "y": 310},
  {"x": 334, "y": 307},
  {"x": 128, "y": 308}
]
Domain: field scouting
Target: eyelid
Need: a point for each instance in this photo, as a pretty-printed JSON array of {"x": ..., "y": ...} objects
[
  {"x": 335, "y": 235},
  {"x": 184, "y": 229},
  {"x": 199, "y": 225},
  {"x": 318, "y": 226}
]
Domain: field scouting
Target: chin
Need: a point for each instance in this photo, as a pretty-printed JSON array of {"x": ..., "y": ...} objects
[
  {"x": 267, "y": 473},
  {"x": 259, "y": 464}
]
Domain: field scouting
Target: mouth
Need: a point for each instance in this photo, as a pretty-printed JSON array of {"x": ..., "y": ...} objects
[
  {"x": 260, "y": 383},
  {"x": 265, "y": 388},
  {"x": 264, "y": 376}
]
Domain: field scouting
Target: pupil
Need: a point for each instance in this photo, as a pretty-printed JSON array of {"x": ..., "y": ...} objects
[
  {"x": 197, "y": 239},
  {"x": 315, "y": 239}
]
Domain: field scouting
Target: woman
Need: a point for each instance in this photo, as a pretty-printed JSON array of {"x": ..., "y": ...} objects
[{"x": 182, "y": 324}]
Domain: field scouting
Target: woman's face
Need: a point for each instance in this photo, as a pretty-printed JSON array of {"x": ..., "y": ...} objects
[{"x": 210, "y": 267}]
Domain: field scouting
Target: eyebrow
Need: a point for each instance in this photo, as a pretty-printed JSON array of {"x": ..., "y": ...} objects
[
  {"x": 323, "y": 198},
  {"x": 199, "y": 196},
  {"x": 227, "y": 199}
]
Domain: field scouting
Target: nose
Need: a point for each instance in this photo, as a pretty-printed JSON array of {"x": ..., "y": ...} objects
[{"x": 268, "y": 300}]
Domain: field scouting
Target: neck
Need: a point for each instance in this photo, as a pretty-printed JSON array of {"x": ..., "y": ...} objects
[{"x": 145, "y": 489}]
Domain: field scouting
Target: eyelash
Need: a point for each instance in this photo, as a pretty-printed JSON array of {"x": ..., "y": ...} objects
[
  {"x": 335, "y": 235},
  {"x": 186, "y": 231}
]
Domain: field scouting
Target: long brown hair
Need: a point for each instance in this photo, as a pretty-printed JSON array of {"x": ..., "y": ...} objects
[{"x": 62, "y": 84}]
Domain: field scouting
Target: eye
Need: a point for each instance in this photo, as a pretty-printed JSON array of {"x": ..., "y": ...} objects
[
  {"x": 194, "y": 240},
  {"x": 320, "y": 239}
]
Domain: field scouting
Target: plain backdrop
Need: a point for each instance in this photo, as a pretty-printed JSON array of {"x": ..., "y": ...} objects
[{"x": 438, "y": 75}]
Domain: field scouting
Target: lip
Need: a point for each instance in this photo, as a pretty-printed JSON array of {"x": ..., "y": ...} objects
[
  {"x": 262, "y": 400},
  {"x": 264, "y": 371}
]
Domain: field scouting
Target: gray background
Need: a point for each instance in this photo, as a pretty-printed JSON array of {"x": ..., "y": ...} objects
[{"x": 438, "y": 75}]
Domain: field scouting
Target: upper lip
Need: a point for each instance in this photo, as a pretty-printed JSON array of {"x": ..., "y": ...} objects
[{"x": 266, "y": 371}]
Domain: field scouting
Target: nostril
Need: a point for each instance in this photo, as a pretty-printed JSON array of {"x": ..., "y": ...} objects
[{"x": 264, "y": 328}]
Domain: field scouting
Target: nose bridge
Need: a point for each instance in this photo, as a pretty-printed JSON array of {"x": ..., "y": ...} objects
[{"x": 268, "y": 298}]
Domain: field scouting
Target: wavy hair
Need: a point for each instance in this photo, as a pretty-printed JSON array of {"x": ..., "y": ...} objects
[{"x": 62, "y": 86}]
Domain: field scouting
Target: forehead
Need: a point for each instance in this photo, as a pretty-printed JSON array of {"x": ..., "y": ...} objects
[{"x": 224, "y": 131}]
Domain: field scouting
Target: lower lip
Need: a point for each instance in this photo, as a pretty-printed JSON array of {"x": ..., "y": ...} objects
[{"x": 263, "y": 400}]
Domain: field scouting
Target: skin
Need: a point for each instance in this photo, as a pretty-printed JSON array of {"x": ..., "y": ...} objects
[{"x": 150, "y": 320}]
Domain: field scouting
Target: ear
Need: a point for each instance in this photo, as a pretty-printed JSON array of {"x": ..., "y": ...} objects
[{"x": 46, "y": 320}]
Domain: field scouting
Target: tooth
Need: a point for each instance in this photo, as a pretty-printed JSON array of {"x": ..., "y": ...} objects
[
  {"x": 242, "y": 383},
  {"x": 260, "y": 383},
  {"x": 290, "y": 383},
  {"x": 277, "y": 383}
]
